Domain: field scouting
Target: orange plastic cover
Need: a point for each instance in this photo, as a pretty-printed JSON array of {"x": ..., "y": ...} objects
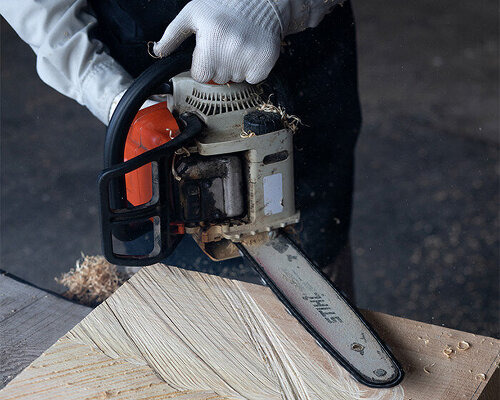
[{"x": 152, "y": 127}]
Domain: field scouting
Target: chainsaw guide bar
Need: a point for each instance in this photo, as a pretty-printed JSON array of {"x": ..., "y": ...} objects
[{"x": 323, "y": 311}]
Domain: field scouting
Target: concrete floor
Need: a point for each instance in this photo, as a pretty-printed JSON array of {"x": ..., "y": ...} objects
[{"x": 425, "y": 228}]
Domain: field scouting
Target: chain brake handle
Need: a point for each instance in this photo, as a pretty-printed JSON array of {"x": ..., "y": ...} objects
[{"x": 118, "y": 218}]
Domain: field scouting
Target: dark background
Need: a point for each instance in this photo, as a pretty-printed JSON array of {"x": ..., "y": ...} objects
[{"x": 425, "y": 228}]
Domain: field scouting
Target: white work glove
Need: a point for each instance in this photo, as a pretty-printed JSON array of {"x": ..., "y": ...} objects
[{"x": 238, "y": 40}]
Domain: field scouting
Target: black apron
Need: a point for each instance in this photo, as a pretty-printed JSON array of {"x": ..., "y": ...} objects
[{"x": 319, "y": 65}]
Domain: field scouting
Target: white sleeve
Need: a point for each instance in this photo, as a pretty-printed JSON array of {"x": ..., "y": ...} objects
[
  {"x": 298, "y": 15},
  {"x": 67, "y": 59}
]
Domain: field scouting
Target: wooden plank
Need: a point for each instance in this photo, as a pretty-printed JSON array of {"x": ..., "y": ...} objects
[
  {"x": 176, "y": 334},
  {"x": 455, "y": 373},
  {"x": 31, "y": 320}
]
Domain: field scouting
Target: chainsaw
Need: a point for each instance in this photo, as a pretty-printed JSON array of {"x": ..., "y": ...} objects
[{"x": 212, "y": 163}]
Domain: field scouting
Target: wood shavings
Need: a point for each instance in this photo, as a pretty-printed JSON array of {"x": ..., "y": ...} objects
[
  {"x": 426, "y": 368},
  {"x": 248, "y": 134},
  {"x": 480, "y": 377},
  {"x": 463, "y": 345},
  {"x": 448, "y": 351},
  {"x": 426, "y": 341},
  {"x": 291, "y": 122},
  {"x": 257, "y": 239},
  {"x": 92, "y": 280}
]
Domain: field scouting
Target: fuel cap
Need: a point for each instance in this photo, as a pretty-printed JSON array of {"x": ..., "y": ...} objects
[{"x": 262, "y": 122}]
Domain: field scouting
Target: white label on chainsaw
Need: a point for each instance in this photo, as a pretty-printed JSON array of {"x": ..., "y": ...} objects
[{"x": 273, "y": 194}]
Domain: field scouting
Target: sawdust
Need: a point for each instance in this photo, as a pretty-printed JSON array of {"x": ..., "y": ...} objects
[
  {"x": 426, "y": 341},
  {"x": 151, "y": 53},
  {"x": 426, "y": 368},
  {"x": 294, "y": 231},
  {"x": 463, "y": 345},
  {"x": 448, "y": 351},
  {"x": 481, "y": 377},
  {"x": 257, "y": 239},
  {"x": 92, "y": 280},
  {"x": 290, "y": 122},
  {"x": 245, "y": 134}
]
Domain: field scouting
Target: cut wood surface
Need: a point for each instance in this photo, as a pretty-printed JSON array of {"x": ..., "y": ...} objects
[
  {"x": 31, "y": 320},
  {"x": 175, "y": 334}
]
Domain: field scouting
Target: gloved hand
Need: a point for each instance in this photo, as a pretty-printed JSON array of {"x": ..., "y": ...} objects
[
  {"x": 236, "y": 40},
  {"x": 239, "y": 40}
]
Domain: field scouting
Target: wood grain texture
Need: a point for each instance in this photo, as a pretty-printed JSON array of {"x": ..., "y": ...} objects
[
  {"x": 31, "y": 320},
  {"x": 171, "y": 333}
]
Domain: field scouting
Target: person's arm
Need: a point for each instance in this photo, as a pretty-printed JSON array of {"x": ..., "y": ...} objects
[
  {"x": 239, "y": 40},
  {"x": 59, "y": 32}
]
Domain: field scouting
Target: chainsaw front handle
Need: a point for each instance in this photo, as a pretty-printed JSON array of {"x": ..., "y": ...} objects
[
  {"x": 142, "y": 88},
  {"x": 119, "y": 221}
]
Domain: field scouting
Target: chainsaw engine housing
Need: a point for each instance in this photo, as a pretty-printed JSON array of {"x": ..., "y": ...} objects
[
  {"x": 209, "y": 162},
  {"x": 236, "y": 180}
]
